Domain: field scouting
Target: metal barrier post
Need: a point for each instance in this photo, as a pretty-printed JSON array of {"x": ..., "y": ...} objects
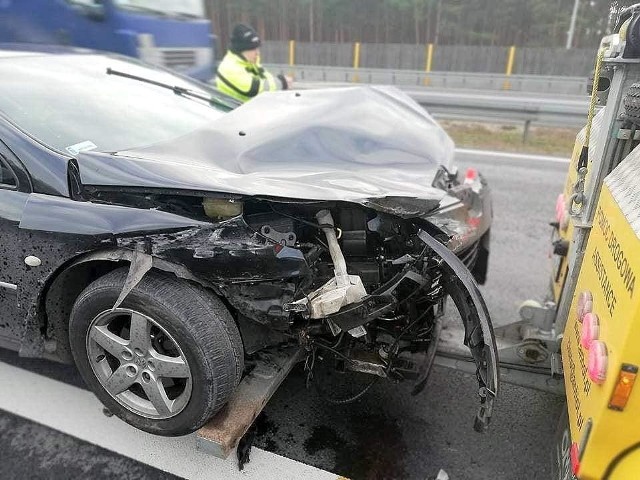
[
  {"x": 292, "y": 53},
  {"x": 511, "y": 57},
  {"x": 356, "y": 61},
  {"x": 429, "y": 61},
  {"x": 292, "y": 56},
  {"x": 525, "y": 130}
]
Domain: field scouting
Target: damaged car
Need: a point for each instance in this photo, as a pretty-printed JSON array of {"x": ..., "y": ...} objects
[{"x": 160, "y": 236}]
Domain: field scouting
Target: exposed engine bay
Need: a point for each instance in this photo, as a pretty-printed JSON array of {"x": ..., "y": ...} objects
[
  {"x": 363, "y": 286},
  {"x": 375, "y": 296}
]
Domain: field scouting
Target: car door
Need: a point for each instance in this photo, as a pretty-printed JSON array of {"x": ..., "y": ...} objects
[{"x": 14, "y": 191}]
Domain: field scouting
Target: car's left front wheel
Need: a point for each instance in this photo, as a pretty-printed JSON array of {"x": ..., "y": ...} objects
[
  {"x": 165, "y": 360},
  {"x": 148, "y": 373}
]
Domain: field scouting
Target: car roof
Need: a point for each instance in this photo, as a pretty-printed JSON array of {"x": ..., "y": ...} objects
[{"x": 12, "y": 50}]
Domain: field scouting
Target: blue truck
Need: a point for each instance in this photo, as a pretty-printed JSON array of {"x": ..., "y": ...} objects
[{"x": 172, "y": 33}]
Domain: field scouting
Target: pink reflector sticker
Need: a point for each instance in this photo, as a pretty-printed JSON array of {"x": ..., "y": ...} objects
[
  {"x": 560, "y": 208},
  {"x": 585, "y": 305},
  {"x": 590, "y": 329},
  {"x": 597, "y": 368}
]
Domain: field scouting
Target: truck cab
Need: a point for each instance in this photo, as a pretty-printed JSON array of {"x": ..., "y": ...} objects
[{"x": 171, "y": 33}]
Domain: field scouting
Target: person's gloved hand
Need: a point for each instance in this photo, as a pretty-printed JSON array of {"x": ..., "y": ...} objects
[
  {"x": 286, "y": 80},
  {"x": 289, "y": 80}
]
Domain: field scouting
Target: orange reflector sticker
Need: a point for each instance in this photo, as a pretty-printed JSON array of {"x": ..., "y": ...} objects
[{"x": 624, "y": 385}]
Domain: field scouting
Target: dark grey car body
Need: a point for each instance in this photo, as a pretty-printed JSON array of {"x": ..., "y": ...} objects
[{"x": 370, "y": 155}]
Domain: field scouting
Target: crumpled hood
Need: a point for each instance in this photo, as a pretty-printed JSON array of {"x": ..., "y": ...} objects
[{"x": 351, "y": 144}]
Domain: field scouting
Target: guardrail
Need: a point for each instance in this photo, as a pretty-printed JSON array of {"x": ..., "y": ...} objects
[
  {"x": 505, "y": 107},
  {"x": 565, "y": 112},
  {"x": 480, "y": 81}
]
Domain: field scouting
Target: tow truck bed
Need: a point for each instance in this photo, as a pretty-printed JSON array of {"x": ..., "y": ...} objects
[{"x": 223, "y": 432}]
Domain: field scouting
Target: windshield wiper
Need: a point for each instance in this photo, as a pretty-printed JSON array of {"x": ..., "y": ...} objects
[{"x": 184, "y": 92}]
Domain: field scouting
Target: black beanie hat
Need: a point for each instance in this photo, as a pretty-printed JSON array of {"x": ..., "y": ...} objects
[{"x": 244, "y": 38}]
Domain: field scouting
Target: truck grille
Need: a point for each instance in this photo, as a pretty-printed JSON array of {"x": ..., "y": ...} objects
[{"x": 179, "y": 59}]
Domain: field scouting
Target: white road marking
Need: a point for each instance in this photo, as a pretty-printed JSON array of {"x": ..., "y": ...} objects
[
  {"x": 78, "y": 413},
  {"x": 506, "y": 155}
]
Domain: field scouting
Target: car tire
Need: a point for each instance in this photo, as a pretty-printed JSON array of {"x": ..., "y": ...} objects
[{"x": 166, "y": 360}]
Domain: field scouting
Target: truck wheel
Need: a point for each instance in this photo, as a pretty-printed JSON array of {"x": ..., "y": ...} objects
[
  {"x": 631, "y": 103},
  {"x": 166, "y": 360}
]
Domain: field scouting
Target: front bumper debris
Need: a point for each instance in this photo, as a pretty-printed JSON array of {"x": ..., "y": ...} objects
[{"x": 479, "y": 335}]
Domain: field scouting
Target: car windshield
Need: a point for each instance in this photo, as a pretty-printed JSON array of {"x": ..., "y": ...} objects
[
  {"x": 194, "y": 8},
  {"x": 69, "y": 103}
]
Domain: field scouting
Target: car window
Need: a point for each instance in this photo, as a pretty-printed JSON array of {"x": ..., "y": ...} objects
[
  {"x": 7, "y": 178},
  {"x": 69, "y": 102}
]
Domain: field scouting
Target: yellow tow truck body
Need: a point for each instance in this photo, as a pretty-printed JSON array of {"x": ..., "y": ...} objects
[
  {"x": 595, "y": 285},
  {"x": 608, "y": 438}
]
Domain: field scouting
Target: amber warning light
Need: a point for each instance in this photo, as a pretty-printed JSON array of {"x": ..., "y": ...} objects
[{"x": 624, "y": 385}]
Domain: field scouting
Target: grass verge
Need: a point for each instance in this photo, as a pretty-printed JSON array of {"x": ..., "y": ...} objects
[{"x": 509, "y": 138}]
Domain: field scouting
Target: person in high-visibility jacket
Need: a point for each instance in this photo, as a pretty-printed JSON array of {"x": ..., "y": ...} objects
[{"x": 240, "y": 74}]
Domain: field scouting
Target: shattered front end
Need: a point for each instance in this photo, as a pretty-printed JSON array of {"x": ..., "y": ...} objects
[{"x": 339, "y": 225}]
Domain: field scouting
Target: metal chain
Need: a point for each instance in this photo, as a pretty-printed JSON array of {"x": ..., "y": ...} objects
[
  {"x": 594, "y": 95},
  {"x": 577, "y": 198}
]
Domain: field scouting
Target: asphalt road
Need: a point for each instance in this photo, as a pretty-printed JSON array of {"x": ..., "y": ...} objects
[{"x": 388, "y": 433}]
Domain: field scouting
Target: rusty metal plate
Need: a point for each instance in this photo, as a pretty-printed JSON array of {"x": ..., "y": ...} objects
[{"x": 223, "y": 432}]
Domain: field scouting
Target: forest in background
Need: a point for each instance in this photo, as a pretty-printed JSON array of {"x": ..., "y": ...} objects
[{"x": 531, "y": 23}]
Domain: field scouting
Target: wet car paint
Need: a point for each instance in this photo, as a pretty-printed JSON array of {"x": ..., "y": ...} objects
[{"x": 60, "y": 214}]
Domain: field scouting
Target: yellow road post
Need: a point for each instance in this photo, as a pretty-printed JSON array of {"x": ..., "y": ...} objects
[
  {"x": 356, "y": 61},
  {"x": 428, "y": 63},
  {"x": 292, "y": 56},
  {"x": 510, "y": 60}
]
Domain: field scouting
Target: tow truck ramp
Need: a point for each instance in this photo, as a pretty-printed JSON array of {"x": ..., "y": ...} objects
[{"x": 220, "y": 436}]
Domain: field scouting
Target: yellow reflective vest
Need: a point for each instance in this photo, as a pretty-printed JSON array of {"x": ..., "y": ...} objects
[{"x": 244, "y": 80}]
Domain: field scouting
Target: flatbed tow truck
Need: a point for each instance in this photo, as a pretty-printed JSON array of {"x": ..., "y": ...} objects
[{"x": 581, "y": 341}]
